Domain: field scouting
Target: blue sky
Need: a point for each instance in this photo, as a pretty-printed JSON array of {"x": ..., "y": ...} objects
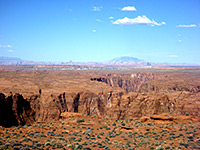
[{"x": 100, "y": 30}]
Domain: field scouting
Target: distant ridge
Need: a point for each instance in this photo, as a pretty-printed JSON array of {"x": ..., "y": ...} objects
[
  {"x": 10, "y": 60},
  {"x": 116, "y": 62},
  {"x": 126, "y": 59}
]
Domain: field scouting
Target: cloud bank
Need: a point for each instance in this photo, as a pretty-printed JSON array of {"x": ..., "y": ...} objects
[
  {"x": 97, "y": 8},
  {"x": 173, "y": 56},
  {"x": 10, "y": 51},
  {"x": 140, "y": 20},
  {"x": 129, "y": 8},
  {"x": 5, "y": 46},
  {"x": 111, "y": 17},
  {"x": 187, "y": 26},
  {"x": 98, "y": 20}
]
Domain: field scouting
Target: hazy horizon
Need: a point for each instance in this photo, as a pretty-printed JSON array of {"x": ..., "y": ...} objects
[{"x": 100, "y": 30}]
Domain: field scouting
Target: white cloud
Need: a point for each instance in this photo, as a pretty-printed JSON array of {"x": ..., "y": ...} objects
[
  {"x": 173, "y": 56},
  {"x": 140, "y": 20},
  {"x": 5, "y": 46},
  {"x": 179, "y": 41},
  {"x": 187, "y": 26},
  {"x": 98, "y": 20},
  {"x": 129, "y": 8},
  {"x": 111, "y": 17},
  {"x": 10, "y": 51},
  {"x": 97, "y": 8},
  {"x": 94, "y": 31}
]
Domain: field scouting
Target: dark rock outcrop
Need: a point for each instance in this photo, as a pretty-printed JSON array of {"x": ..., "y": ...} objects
[
  {"x": 76, "y": 102},
  {"x": 15, "y": 110}
]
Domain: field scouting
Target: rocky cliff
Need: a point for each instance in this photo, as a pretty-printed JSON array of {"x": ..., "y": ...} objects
[
  {"x": 130, "y": 82},
  {"x": 141, "y": 94},
  {"x": 15, "y": 110},
  {"x": 148, "y": 82}
]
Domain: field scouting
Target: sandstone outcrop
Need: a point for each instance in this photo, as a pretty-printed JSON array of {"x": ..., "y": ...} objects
[
  {"x": 118, "y": 106},
  {"x": 130, "y": 82},
  {"x": 148, "y": 82}
]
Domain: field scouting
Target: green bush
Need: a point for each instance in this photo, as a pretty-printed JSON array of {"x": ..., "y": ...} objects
[
  {"x": 160, "y": 147},
  {"x": 80, "y": 120}
]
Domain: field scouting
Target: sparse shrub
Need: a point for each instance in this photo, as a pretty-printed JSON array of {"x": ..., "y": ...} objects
[
  {"x": 64, "y": 132},
  {"x": 17, "y": 148},
  {"x": 59, "y": 146},
  {"x": 123, "y": 124},
  {"x": 86, "y": 148},
  {"x": 47, "y": 144},
  {"x": 150, "y": 124},
  {"x": 80, "y": 120},
  {"x": 38, "y": 144},
  {"x": 114, "y": 124},
  {"x": 70, "y": 146},
  {"x": 26, "y": 139},
  {"x": 4, "y": 148},
  {"x": 108, "y": 128},
  {"x": 151, "y": 147}
]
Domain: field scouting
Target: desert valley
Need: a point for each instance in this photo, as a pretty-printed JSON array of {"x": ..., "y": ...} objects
[
  {"x": 46, "y": 107},
  {"x": 99, "y": 75}
]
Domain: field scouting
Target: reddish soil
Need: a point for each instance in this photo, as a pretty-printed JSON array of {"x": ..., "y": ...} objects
[{"x": 151, "y": 109}]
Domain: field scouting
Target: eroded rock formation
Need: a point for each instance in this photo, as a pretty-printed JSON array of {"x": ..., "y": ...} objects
[
  {"x": 148, "y": 82},
  {"x": 130, "y": 82},
  {"x": 15, "y": 110}
]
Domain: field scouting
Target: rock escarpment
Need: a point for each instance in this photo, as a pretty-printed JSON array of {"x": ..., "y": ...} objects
[
  {"x": 150, "y": 82},
  {"x": 136, "y": 105},
  {"x": 130, "y": 82},
  {"x": 153, "y": 94},
  {"x": 15, "y": 110},
  {"x": 48, "y": 109}
]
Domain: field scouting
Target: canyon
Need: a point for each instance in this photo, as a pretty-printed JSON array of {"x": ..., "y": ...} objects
[
  {"x": 118, "y": 108},
  {"x": 31, "y": 96}
]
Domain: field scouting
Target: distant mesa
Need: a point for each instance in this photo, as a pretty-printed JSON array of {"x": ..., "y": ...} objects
[
  {"x": 126, "y": 59},
  {"x": 10, "y": 59}
]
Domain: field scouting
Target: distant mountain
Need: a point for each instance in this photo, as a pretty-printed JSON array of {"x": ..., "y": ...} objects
[
  {"x": 120, "y": 61},
  {"x": 5, "y": 60},
  {"x": 126, "y": 59}
]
